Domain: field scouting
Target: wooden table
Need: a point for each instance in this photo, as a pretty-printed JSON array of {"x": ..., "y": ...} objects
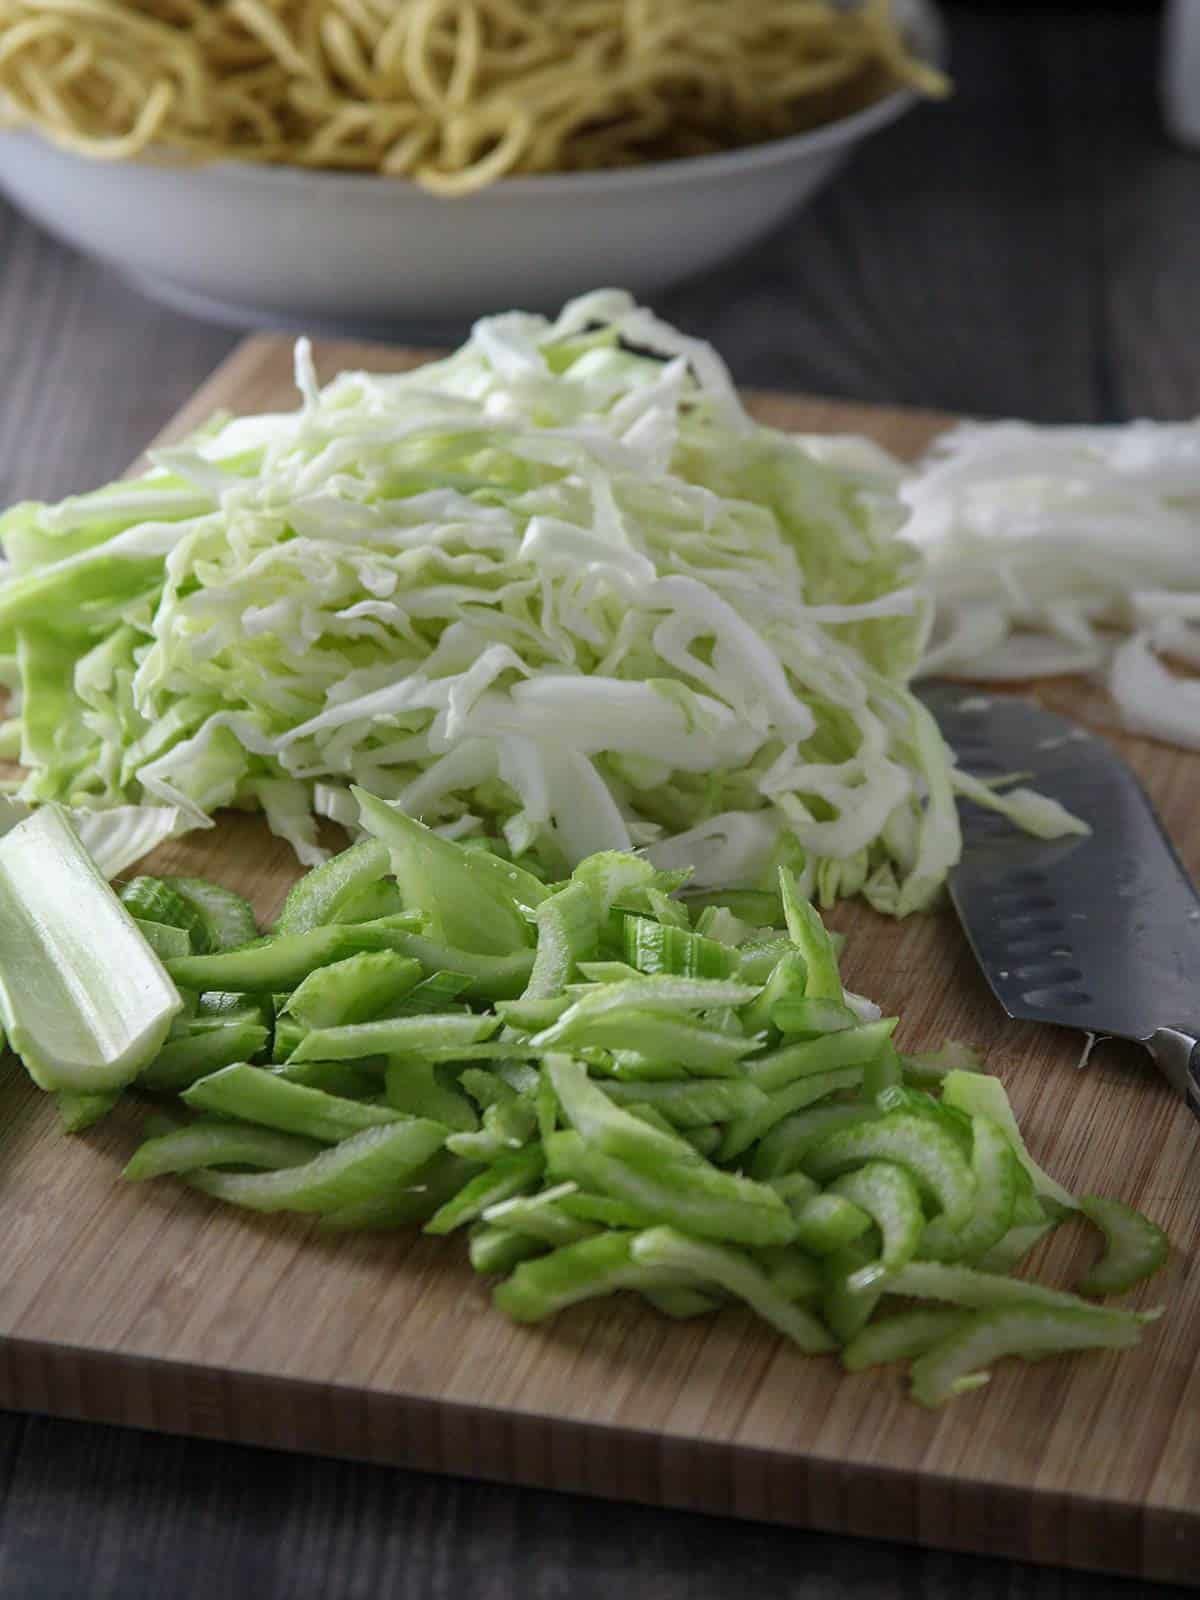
[{"x": 1033, "y": 248}]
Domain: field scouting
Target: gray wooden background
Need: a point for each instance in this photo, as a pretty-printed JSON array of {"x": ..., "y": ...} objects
[{"x": 1032, "y": 248}]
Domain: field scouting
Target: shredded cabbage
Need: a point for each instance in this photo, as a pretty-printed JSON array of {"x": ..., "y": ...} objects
[
  {"x": 559, "y": 590},
  {"x": 1043, "y": 544}
]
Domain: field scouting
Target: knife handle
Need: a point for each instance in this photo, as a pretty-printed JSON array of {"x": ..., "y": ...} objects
[{"x": 1176, "y": 1053}]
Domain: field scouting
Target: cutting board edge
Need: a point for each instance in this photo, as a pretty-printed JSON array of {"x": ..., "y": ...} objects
[{"x": 542, "y": 1451}]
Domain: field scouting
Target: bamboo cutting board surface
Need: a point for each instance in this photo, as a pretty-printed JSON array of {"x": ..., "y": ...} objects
[{"x": 154, "y": 1307}]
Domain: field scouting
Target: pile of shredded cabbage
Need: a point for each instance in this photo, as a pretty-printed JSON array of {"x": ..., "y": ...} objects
[
  {"x": 558, "y": 589},
  {"x": 1044, "y": 545}
]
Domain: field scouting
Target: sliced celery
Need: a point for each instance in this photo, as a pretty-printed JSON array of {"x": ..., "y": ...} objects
[
  {"x": 1134, "y": 1247},
  {"x": 282, "y": 961},
  {"x": 809, "y": 935},
  {"x": 851, "y": 1047},
  {"x": 568, "y": 928},
  {"x": 395, "y": 1035},
  {"x": 221, "y": 919},
  {"x": 218, "y": 1143},
  {"x": 78, "y": 1112},
  {"x": 656, "y": 947},
  {"x": 84, "y": 1000},
  {"x": 200, "y": 1051},
  {"x": 929, "y": 1153},
  {"x": 349, "y": 1080},
  {"x": 353, "y": 1173},
  {"x": 355, "y": 989},
  {"x": 976, "y": 1095},
  {"x": 414, "y": 1088},
  {"x": 167, "y": 942},
  {"x": 900, "y": 1337},
  {"x": 254, "y": 1094},
  {"x": 692, "y": 1104},
  {"x": 321, "y": 895}
]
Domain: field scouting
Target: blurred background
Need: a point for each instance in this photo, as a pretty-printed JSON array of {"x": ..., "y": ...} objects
[{"x": 1029, "y": 245}]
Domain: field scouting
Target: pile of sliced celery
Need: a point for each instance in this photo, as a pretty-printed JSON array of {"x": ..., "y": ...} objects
[{"x": 608, "y": 1085}]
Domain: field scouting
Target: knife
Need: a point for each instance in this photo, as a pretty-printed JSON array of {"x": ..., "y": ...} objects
[{"x": 1099, "y": 933}]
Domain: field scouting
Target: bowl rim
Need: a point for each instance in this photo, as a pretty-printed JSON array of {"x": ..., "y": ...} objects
[{"x": 924, "y": 23}]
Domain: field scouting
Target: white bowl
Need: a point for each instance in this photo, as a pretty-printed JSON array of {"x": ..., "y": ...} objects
[{"x": 255, "y": 245}]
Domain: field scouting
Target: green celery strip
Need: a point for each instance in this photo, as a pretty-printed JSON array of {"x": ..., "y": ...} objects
[
  {"x": 598, "y": 1266},
  {"x": 154, "y": 900},
  {"x": 808, "y": 1019},
  {"x": 889, "y": 1197},
  {"x": 846, "y": 1309},
  {"x": 987, "y": 1291},
  {"x": 994, "y": 1164},
  {"x": 568, "y": 927},
  {"x": 395, "y": 1035},
  {"x": 198, "y": 1053},
  {"x": 784, "y": 1148},
  {"x": 828, "y": 1222},
  {"x": 807, "y": 932},
  {"x": 656, "y": 949},
  {"x": 698, "y": 1049},
  {"x": 737, "y": 1274},
  {"x": 1015, "y": 1246},
  {"x": 784, "y": 986},
  {"x": 220, "y": 918},
  {"x": 423, "y": 1191},
  {"x": 496, "y": 1251},
  {"x": 510, "y": 1175},
  {"x": 851, "y": 1047},
  {"x": 781, "y": 1103},
  {"x": 78, "y": 1112},
  {"x": 1135, "y": 1247},
  {"x": 217, "y": 1143},
  {"x": 432, "y": 994},
  {"x": 346, "y": 1079},
  {"x": 956, "y": 1364},
  {"x": 321, "y": 895},
  {"x": 280, "y": 962},
  {"x": 691, "y": 1104},
  {"x": 168, "y": 943},
  {"x": 353, "y": 990},
  {"x": 924, "y": 1148},
  {"x": 977, "y": 1095},
  {"x": 257, "y": 1095},
  {"x": 349, "y": 1174},
  {"x": 900, "y": 1337},
  {"x": 414, "y": 1088}
]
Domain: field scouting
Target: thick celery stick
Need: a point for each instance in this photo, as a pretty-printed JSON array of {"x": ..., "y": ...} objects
[
  {"x": 382, "y": 899},
  {"x": 201, "y": 1051},
  {"x": 257, "y": 1095},
  {"x": 784, "y": 988},
  {"x": 540, "y": 1217},
  {"x": 483, "y": 977},
  {"x": 355, "y": 989},
  {"x": 736, "y": 1273},
  {"x": 806, "y": 1019},
  {"x": 591, "y": 1113},
  {"x": 928, "y": 1152},
  {"x": 901, "y": 1337},
  {"x": 214, "y": 1142},
  {"x": 280, "y": 962},
  {"x": 321, "y": 895},
  {"x": 395, "y": 1035},
  {"x": 848, "y": 1310},
  {"x": 957, "y": 1363},
  {"x": 697, "y": 1049},
  {"x": 352, "y": 1173},
  {"x": 84, "y": 1001},
  {"x": 423, "y": 1191},
  {"x": 1134, "y": 1247}
]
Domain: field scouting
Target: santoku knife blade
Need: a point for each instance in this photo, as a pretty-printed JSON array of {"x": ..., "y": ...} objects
[{"x": 1100, "y": 933}]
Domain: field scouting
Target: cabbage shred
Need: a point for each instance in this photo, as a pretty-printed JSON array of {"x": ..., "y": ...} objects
[{"x": 558, "y": 589}]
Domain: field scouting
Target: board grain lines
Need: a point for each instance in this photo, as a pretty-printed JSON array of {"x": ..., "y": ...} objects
[{"x": 152, "y": 1306}]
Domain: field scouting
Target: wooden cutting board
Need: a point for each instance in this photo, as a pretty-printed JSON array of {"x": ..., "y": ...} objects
[{"x": 154, "y": 1307}]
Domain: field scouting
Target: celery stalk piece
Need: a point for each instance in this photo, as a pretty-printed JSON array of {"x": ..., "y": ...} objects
[
  {"x": 828, "y": 1222},
  {"x": 901, "y": 1337},
  {"x": 568, "y": 927},
  {"x": 807, "y": 1019},
  {"x": 469, "y": 898},
  {"x": 380, "y": 899},
  {"x": 846, "y": 1309},
  {"x": 280, "y": 962},
  {"x": 167, "y": 942},
  {"x": 598, "y": 1266},
  {"x": 415, "y": 1090},
  {"x": 694, "y": 1103},
  {"x": 349, "y": 1080},
  {"x": 495, "y": 1251},
  {"x": 736, "y": 1273},
  {"x": 702, "y": 1051},
  {"x": 538, "y": 1216},
  {"x": 660, "y": 948},
  {"x": 196, "y": 1054},
  {"x": 683, "y": 1190},
  {"x": 745, "y": 1131},
  {"x": 154, "y": 900},
  {"x": 84, "y": 1000},
  {"x": 393, "y": 1035},
  {"x": 1016, "y": 1244},
  {"x": 353, "y": 990},
  {"x": 784, "y": 1148},
  {"x": 217, "y": 1143},
  {"x": 994, "y": 1164},
  {"x": 511, "y": 1174},
  {"x": 920, "y": 1145},
  {"x": 793, "y": 1273},
  {"x": 253, "y": 1094},
  {"x": 417, "y": 1198},
  {"x": 351, "y": 1174},
  {"x": 482, "y": 977},
  {"x": 957, "y": 1363},
  {"x": 849, "y": 1047},
  {"x": 989, "y": 1291},
  {"x": 435, "y": 993},
  {"x": 977, "y": 1094},
  {"x": 680, "y": 1302},
  {"x": 808, "y": 933},
  {"x": 889, "y": 1197},
  {"x": 221, "y": 918},
  {"x": 759, "y": 908},
  {"x": 79, "y": 1112},
  {"x": 1135, "y": 1247},
  {"x": 322, "y": 894}
]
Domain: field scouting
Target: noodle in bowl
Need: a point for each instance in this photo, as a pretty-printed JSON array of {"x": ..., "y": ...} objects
[{"x": 342, "y": 245}]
